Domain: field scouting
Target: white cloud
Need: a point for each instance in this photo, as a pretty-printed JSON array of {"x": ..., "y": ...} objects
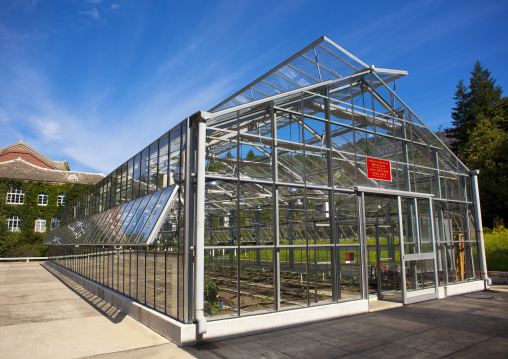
[
  {"x": 49, "y": 130},
  {"x": 115, "y": 7},
  {"x": 93, "y": 13}
]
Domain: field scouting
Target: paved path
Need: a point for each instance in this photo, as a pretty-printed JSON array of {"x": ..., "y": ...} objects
[
  {"x": 42, "y": 316},
  {"x": 469, "y": 326}
]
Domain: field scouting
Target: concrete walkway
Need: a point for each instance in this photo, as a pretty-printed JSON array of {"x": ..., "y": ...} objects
[
  {"x": 468, "y": 326},
  {"x": 43, "y": 316}
]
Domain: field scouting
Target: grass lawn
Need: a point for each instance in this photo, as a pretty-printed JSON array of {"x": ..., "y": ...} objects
[{"x": 496, "y": 250}]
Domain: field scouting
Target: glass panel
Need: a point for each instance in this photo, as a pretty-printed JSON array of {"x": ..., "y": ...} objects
[
  {"x": 320, "y": 275},
  {"x": 129, "y": 232},
  {"x": 115, "y": 235},
  {"x": 220, "y": 213},
  {"x": 137, "y": 176},
  {"x": 346, "y": 212},
  {"x": 130, "y": 178},
  {"x": 147, "y": 211},
  {"x": 141, "y": 276},
  {"x": 256, "y": 281},
  {"x": 255, "y": 159},
  {"x": 424, "y": 223},
  {"x": 293, "y": 277},
  {"x": 419, "y": 275},
  {"x": 176, "y": 165},
  {"x": 162, "y": 174},
  {"x": 153, "y": 169},
  {"x": 145, "y": 160},
  {"x": 160, "y": 278},
  {"x": 155, "y": 213},
  {"x": 150, "y": 278},
  {"x": 349, "y": 273},
  {"x": 291, "y": 218},
  {"x": 221, "y": 283},
  {"x": 409, "y": 225}
]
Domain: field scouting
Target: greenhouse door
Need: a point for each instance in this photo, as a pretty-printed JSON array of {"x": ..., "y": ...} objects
[
  {"x": 383, "y": 247},
  {"x": 399, "y": 242},
  {"x": 420, "y": 276}
]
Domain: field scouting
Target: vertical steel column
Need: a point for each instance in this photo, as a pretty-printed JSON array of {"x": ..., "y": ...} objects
[
  {"x": 433, "y": 239},
  {"x": 305, "y": 208},
  {"x": 479, "y": 228},
  {"x": 401, "y": 244},
  {"x": 187, "y": 252},
  {"x": 199, "y": 125},
  {"x": 362, "y": 228},
  {"x": 237, "y": 223},
  {"x": 417, "y": 226},
  {"x": 275, "y": 211},
  {"x": 378, "y": 261}
]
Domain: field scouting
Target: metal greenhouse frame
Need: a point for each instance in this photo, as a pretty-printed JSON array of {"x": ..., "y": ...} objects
[{"x": 315, "y": 186}]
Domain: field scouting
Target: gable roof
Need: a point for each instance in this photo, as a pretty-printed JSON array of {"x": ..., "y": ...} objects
[
  {"x": 21, "y": 169},
  {"x": 321, "y": 61},
  {"x": 23, "y": 147}
]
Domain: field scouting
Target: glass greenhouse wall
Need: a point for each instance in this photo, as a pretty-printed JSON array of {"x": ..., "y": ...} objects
[{"x": 319, "y": 185}]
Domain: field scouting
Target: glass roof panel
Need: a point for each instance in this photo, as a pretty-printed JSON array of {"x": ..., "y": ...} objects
[
  {"x": 333, "y": 64},
  {"x": 309, "y": 68},
  {"x": 280, "y": 82},
  {"x": 153, "y": 222},
  {"x": 135, "y": 219},
  {"x": 350, "y": 61},
  {"x": 295, "y": 76},
  {"x": 321, "y": 61},
  {"x": 147, "y": 211},
  {"x": 124, "y": 211},
  {"x": 138, "y": 220}
]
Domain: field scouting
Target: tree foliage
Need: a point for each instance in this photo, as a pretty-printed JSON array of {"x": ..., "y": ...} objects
[
  {"x": 480, "y": 120},
  {"x": 471, "y": 103}
]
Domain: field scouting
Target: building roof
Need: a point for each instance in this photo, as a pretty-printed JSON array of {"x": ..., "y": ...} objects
[
  {"x": 21, "y": 149},
  {"x": 321, "y": 61},
  {"x": 23, "y": 170}
]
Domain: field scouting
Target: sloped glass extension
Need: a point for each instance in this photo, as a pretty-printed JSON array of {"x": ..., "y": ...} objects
[{"x": 133, "y": 223}]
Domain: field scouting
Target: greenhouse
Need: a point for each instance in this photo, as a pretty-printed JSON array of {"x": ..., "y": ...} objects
[{"x": 309, "y": 194}]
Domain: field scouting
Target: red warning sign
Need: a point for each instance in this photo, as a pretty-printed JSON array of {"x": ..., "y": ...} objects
[{"x": 379, "y": 169}]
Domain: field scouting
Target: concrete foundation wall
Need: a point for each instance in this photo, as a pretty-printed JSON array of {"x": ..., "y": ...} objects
[
  {"x": 461, "y": 288},
  {"x": 498, "y": 277}
]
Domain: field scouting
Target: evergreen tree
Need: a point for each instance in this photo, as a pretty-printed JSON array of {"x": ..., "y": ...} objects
[
  {"x": 250, "y": 156},
  {"x": 471, "y": 103},
  {"x": 459, "y": 116},
  {"x": 487, "y": 150}
]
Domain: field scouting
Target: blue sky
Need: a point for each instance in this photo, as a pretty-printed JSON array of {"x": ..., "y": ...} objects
[{"x": 93, "y": 82}]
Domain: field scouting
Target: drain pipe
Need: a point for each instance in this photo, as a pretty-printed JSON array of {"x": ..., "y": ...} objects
[
  {"x": 479, "y": 228},
  {"x": 199, "y": 257}
]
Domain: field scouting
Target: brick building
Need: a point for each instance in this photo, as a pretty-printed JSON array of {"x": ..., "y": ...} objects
[{"x": 34, "y": 187}]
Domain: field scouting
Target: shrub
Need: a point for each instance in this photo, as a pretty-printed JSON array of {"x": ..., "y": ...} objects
[{"x": 212, "y": 298}]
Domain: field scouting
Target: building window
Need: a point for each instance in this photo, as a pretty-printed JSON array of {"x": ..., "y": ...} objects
[
  {"x": 60, "y": 201},
  {"x": 42, "y": 200},
  {"x": 13, "y": 224},
  {"x": 15, "y": 196},
  {"x": 40, "y": 225},
  {"x": 55, "y": 223}
]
